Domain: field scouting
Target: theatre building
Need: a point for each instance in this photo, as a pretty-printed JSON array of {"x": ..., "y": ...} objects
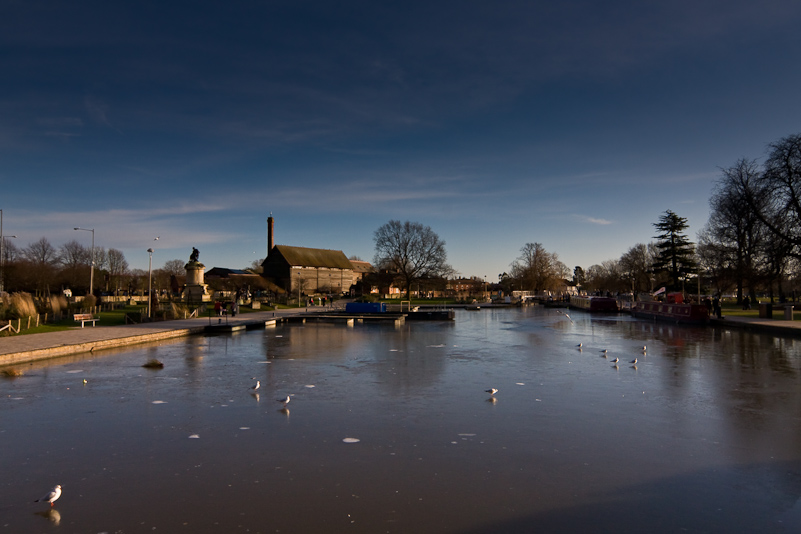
[{"x": 307, "y": 270}]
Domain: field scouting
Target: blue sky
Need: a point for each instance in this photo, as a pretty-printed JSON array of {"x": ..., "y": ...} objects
[{"x": 575, "y": 124}]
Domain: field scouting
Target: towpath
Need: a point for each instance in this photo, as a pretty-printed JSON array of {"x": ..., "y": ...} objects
[{"x": 32, "y": 347}]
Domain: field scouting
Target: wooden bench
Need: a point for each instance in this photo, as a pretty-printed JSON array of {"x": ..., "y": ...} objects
[{"x": 84, "y": 318}]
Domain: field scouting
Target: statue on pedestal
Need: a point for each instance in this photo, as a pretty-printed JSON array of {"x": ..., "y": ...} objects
[{"x": 195, "y": 291}]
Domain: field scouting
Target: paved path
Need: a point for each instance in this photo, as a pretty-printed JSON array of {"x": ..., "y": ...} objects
[{"x": 32, "y": 347}]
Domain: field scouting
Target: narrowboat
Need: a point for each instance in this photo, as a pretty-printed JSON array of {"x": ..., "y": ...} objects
[
  {"x": 674, "y": 309},
  {"x": 594, "y": 304}
]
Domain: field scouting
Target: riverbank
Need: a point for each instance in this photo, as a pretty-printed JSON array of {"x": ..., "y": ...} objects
[
  {"x": 34, "y": 347},
  {"x": 776, "y": 327}
]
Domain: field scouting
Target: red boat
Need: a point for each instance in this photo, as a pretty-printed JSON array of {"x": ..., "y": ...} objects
[
  {"x": 594, "y": 304},
  {"x": 674, "y": 309}
]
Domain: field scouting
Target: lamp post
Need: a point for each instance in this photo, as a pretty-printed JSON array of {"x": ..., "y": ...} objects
[
  {"x": 149, "y": 282},
  {"x": 92, "y": 268}
]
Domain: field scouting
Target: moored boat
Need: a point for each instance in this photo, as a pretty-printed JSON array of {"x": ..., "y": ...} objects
[
  {"x": 674, "y": 309},
  {"x": 594, "y": 304}
]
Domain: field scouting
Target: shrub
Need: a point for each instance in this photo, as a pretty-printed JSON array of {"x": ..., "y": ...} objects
[
  {"x": 21, "y": 305},
  {"x": 178, "y": 310},
  {"x": 89, "y": 301},
  {"x": 57, "y": 303}
]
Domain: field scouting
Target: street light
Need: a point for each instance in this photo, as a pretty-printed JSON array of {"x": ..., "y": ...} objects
[
  {"x": 92, "y": 268},
  {"x": 149, "y": 282}
]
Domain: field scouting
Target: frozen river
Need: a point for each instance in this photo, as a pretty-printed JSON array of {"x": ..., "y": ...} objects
[{"x": 390, "y": 430}]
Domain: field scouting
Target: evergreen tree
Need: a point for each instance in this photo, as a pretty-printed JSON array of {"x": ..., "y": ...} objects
[{"x": 675, "y": 253}]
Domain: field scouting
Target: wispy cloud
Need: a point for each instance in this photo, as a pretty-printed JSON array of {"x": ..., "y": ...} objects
[{"x": 593, "y": 220}]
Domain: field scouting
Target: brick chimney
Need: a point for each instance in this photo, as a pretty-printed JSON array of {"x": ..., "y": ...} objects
[{"x": 270, "y": 233}]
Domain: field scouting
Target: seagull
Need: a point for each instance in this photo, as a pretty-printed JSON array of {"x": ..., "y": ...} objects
[
  {"x": 571, "y": 320},
  {"x": 634, "y": 361},
  {"x": 256, "y": 386},
  {"x": 616, "y": 360},
  {"x": 285, "y": 401},
  {"x": 580, "y": 345},
  {"x": 51, "y": 496},
  {"x": 156, "y": 239},
  {"x": 491, "y": 391},
  {"x": 644, "y": 348},
  {"x": 605, "y": 351}
]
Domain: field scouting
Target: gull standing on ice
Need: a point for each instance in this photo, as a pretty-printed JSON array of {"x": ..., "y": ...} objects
[
  {"x": 285, "y": 401},
  {"x": 257, "y": 386},
  {"x": 51, "y": 496},
  {"x": 634, "y": 361},
  {"x": 491, "y": 391},
  {"x": 616, "y": 360}
]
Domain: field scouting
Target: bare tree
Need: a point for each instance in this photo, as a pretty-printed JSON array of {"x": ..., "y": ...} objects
[
  {"x": 174, "y": 267},
  {"x": 117, "y": 268},
  {"x": 606, "y": 277},
  {"x": 412, "y": 250},
  {"x": 636, "y": 265},
  {"x": 734, "y": 237},
  {"x": 42, "y": 259},
  {"x": 537, "y": 269},
  {"x": 775, "y": 194},
  {"x": 76, "y": 259},
  {"x": 101, "y": 258},
  {"x": 163, "y": 277},
  {"x": 8, "y": 265}
]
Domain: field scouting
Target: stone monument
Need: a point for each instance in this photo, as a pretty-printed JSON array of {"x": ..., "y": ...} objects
[{"x": 195, "y": 291}]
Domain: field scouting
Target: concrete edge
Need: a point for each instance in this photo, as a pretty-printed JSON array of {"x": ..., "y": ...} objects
[
  {"x": 66, "y": 350},
  {"x": 757, "y": 327}
]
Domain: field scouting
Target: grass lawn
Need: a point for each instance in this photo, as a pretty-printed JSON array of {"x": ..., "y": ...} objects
[
  {"x": 735, "y": 310},
  {"x": 105, "y": 318}
]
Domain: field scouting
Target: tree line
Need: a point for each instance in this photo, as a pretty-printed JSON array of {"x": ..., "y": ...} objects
[
  {"x": 751, "y": 243},
  {"x": 43, "y": 269}
]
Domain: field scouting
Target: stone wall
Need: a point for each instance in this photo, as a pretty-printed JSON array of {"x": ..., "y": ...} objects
[{"x": 319, "y": 280}]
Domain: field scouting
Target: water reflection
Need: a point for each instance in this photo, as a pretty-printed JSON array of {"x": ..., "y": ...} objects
[{"x": 51, "y": 515}]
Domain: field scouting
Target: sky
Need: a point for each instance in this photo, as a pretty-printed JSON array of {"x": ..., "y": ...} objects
[{"x": 574, "y": 124}]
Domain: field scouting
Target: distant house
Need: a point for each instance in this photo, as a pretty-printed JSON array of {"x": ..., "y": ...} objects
[
  {"x": 360, "y": 269},
  {"x": 222, "y": 272},
  {"x": 227, "y": 282},
  {"x": 465, "y": 287}
]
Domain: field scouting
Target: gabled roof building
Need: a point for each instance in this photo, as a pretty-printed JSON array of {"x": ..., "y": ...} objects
[{"x": 307, "y": 270}]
